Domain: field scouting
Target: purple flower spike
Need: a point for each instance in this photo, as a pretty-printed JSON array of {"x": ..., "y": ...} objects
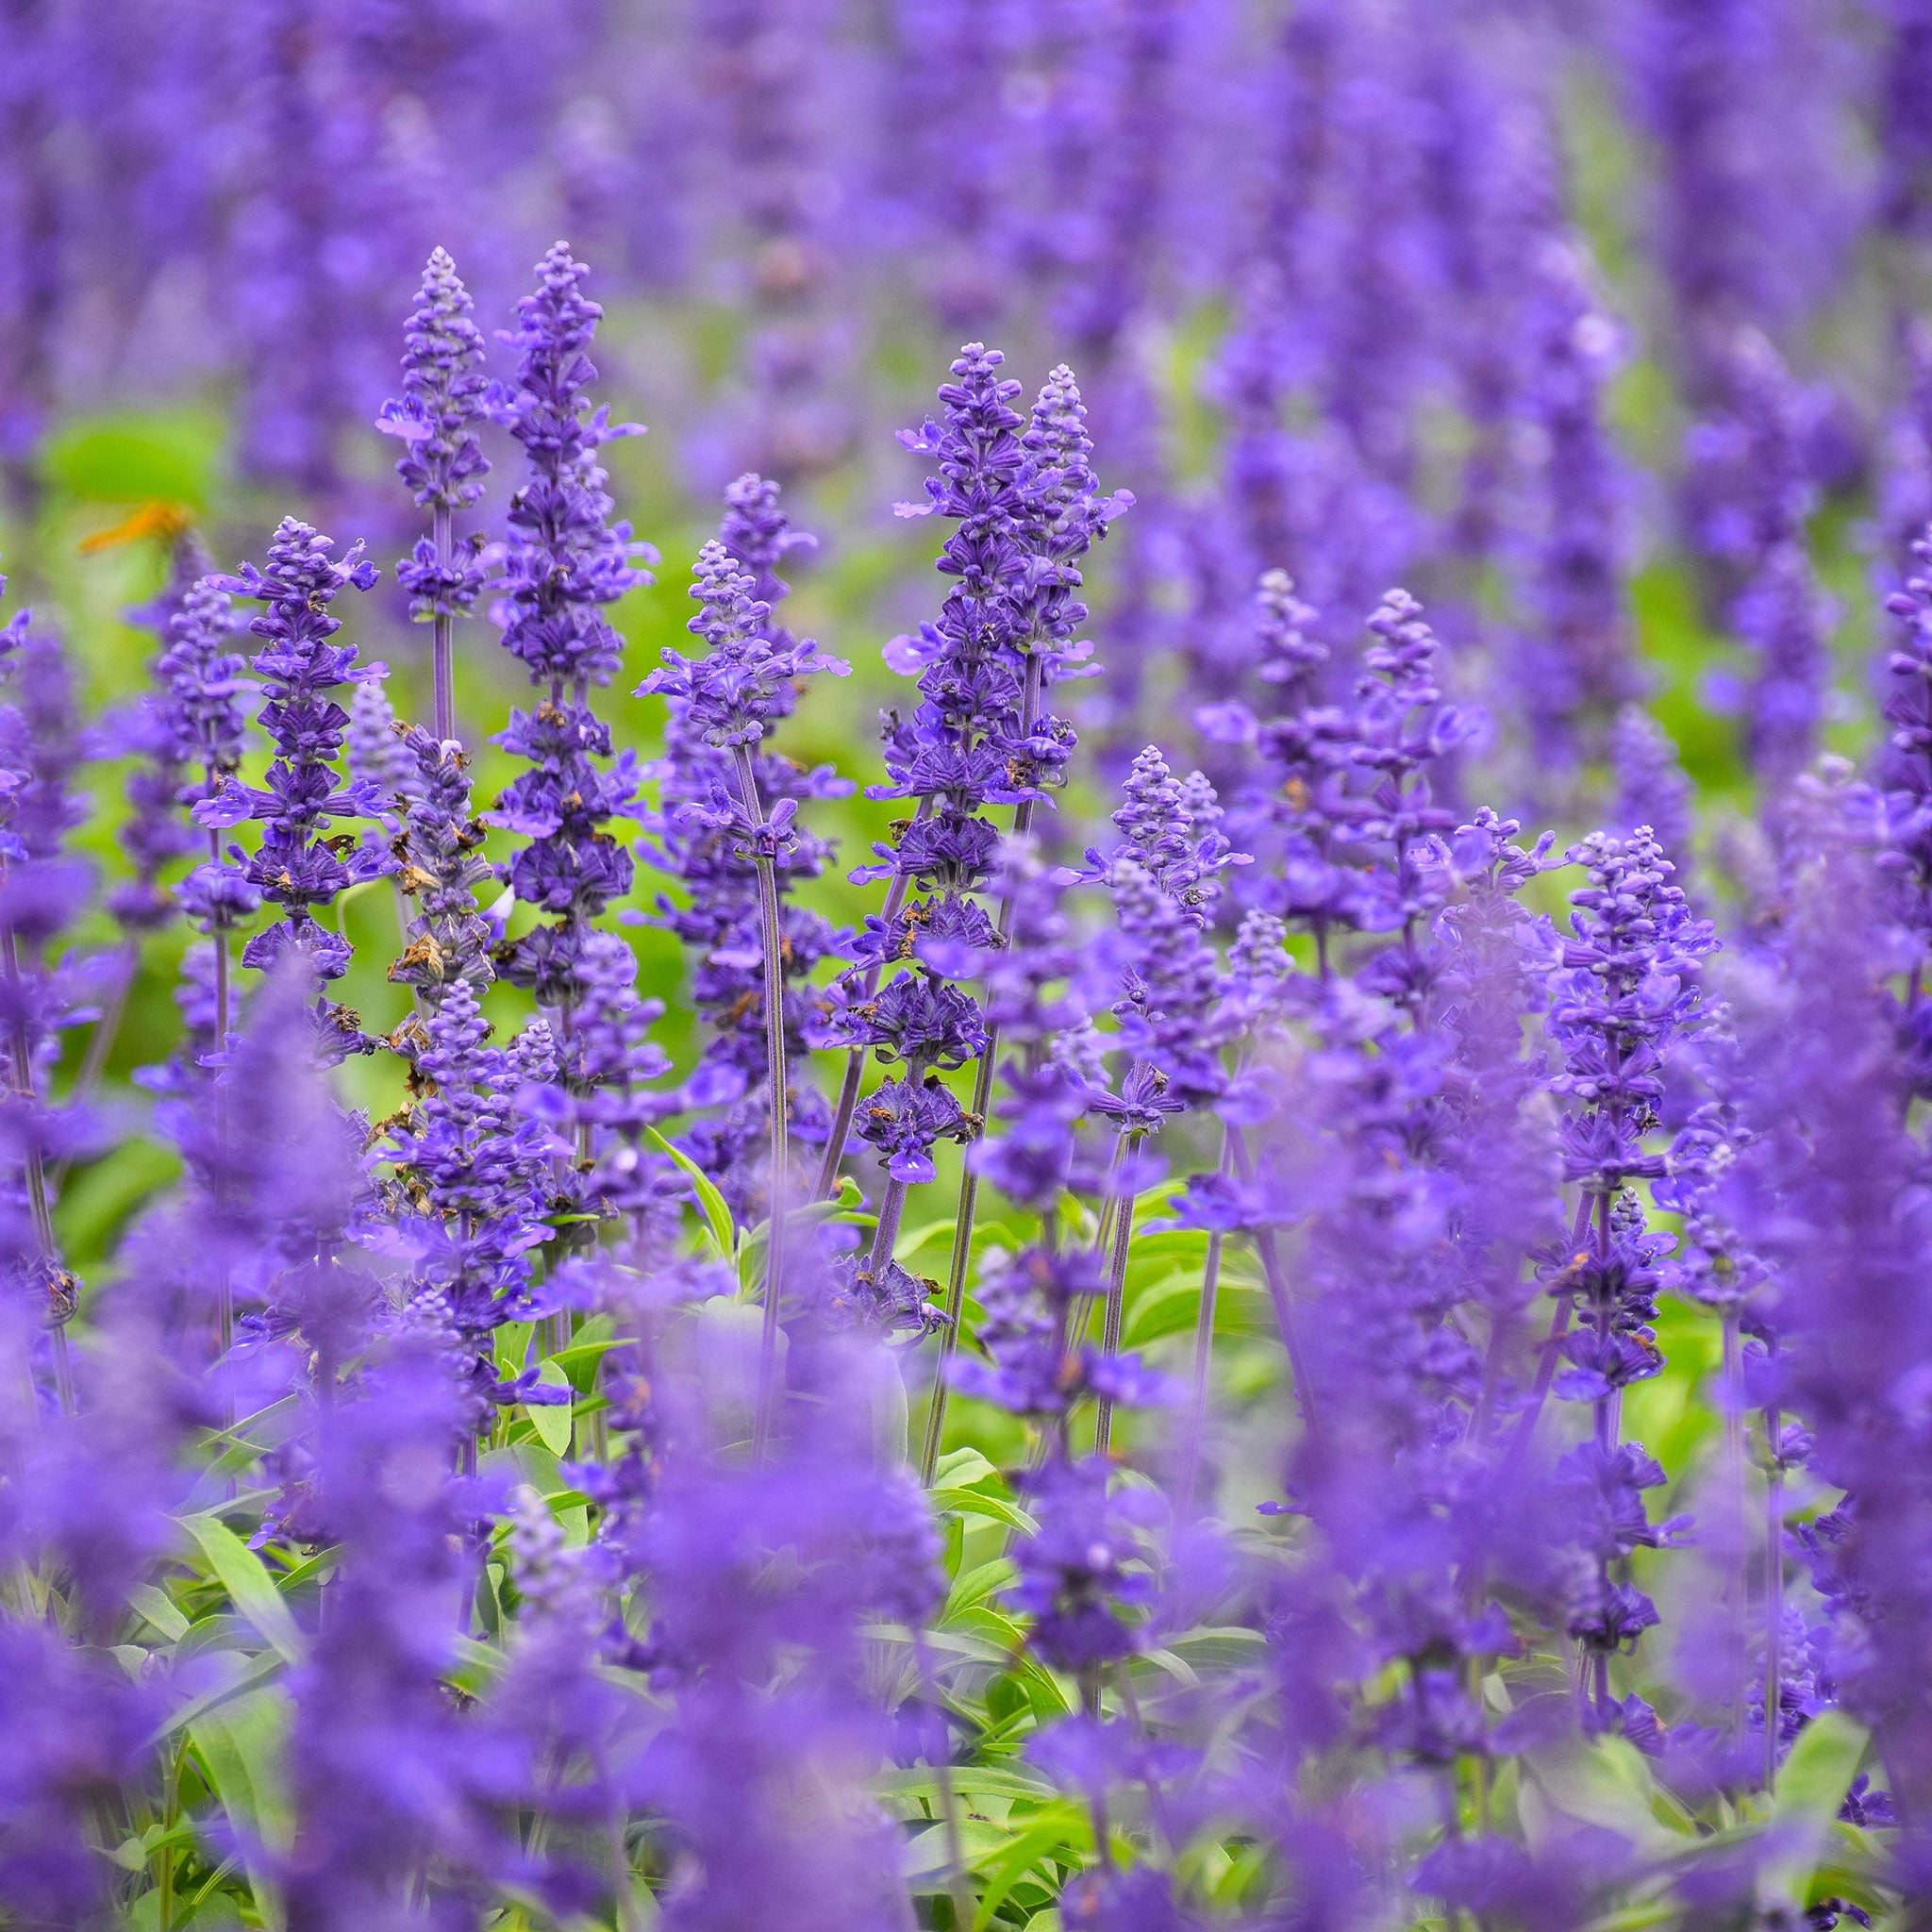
[
  {"x": 564, "y": 562},
  {"x": 444, "y": 396},
  {"x": 297, "y": 864}
]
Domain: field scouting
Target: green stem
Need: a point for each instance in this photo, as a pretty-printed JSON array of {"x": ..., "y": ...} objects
[
  {"x": 1203, "y": 1349},
  {"x": 772, "y": 939},
  {"x": 1116, "y": 1294}
]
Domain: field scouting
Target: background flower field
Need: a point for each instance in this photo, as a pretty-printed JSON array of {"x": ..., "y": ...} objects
[{"x": 1102, "y": 1111}]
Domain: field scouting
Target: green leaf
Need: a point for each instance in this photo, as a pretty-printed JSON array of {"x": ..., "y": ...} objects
[
  {"x": 512, "y": 1346},
  {"x": 477, "y": 1666},
  {"x": 979, "y": 1583},
  {"x": 974, "y": 1781},
  {"x": 160, "y": 1610},
  {"x": 1172, "y": 1307},
  {"x": 1811, "y": 1786},
  {"x": 928, "y": 1852},
  {"x": 244, "y": 1673},
  {"x": 976, "y": 1503},
  {"x": 1605, "y": 1783},
  {"x": 242, "y": 1748},
  {"x": 717, "y": 1213},
  {"x": 965, "y": 1469},
  {"x": 912, "y": 1238},
  {"x": 1062, "y": 1829},
  {"x": 579, "y": 1360},
  {"x": 245, "y": 1577},
  {"x": 552, "y": 1420}
]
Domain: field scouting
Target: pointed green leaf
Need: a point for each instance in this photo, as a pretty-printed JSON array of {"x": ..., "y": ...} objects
[
  {"x": 242, "y": 1675},
  {"x": 242, "y": 1748},
  {"x": 1811, "y": 1786},
  {"x": 717, "y": 1213},
  {"x": 978, "y": 1503},
  {"x": 159, "y": 1611},
  {"x": 245, "y": 1577},
  {"x": 552, "y": 1420}
]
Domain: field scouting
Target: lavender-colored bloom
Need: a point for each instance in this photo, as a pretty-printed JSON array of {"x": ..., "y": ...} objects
[
  {"x": 296, "y": 865},
  {"x": 971, "y": 741},
  {"x": 563, "y": 563},
  {"x": 1905, "y": 193},
  {"x": 766, "y": 71},
  {"x": 1084, "y": 1573},
  {"x": 156, "y": 832},
  {"x": 1748, "y": 495},
  {"x": 1169, "y": 979},
  {"x": 78, "y": 1733},
  {"x": 41, "y": 893},
  {"x": 1627, "y": 996},
  {"x": 1169, "y": 829},
  {"x": 1124, "y": 233},
  {"x": 201, "y": 711},
  {"x": 443, "y": 864},
  {"x": 1034, "y": 1301},
  {"x": 1404, "y": 730},
  {"x": 1628, "y": 992},
  {"x": 382, "y": 1769},
  {"x": 728, "y": 805},
  {"x": 444, "y": 394},
  {"x": 1032, "y": 994},
  {"x": 475, "y": 1172},
  {"x": 377, "y": 758},
  {"x": 1751, "y": 215},
  {"x": 754, "y": 1769},
  {"x": 442, "y": 464},
  {"x": 951, "y": 192},
  {"x": 731, "y": 697},
  {"x": 602, "y": 1063},
  {"x": 276, "y": 1181},
  {"x": 1905, "y": 456},
  {"x": 1652, "y": 788},
  {"x": 1829, "y": 1194},
  {"x": 1342, "y": 811},
  {"x": 1575, "y": 659},
  {"x": 1785, "y": 619}
]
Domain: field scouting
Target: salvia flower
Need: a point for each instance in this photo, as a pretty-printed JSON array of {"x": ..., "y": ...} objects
[
  {"x": 728, "y": 805},
  {"x": 564, "y": 562},
  {"x": 297, "y": 864},
  {"x": 442, "y": 464}
]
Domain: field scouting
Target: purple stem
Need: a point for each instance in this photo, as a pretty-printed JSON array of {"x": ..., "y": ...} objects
[
  {"x": 961, "y": 1258},
  {"x": 1277, "y": 1292},
  {"x": 442, "y": 669},
  {"x": 1774, "y": 1595},
  {"x": 773, "y": 940},
  {"x": 827, "y": 1183}
]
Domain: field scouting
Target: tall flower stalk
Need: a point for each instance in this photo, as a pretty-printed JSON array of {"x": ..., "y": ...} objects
[
  {"x": 1027, "y": 506},
  {"x": 443, "y": 397},
  {"x": 563, "y": 564},
  {"x": 727, "y": 702},
  {"x": 300, "y": 864}
]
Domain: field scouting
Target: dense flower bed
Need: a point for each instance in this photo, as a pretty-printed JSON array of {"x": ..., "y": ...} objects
[{"x": 1260, "y": 1264}]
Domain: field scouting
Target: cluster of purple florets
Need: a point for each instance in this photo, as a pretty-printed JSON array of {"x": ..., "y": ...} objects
[{"x": 1147, "y": 1309}]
